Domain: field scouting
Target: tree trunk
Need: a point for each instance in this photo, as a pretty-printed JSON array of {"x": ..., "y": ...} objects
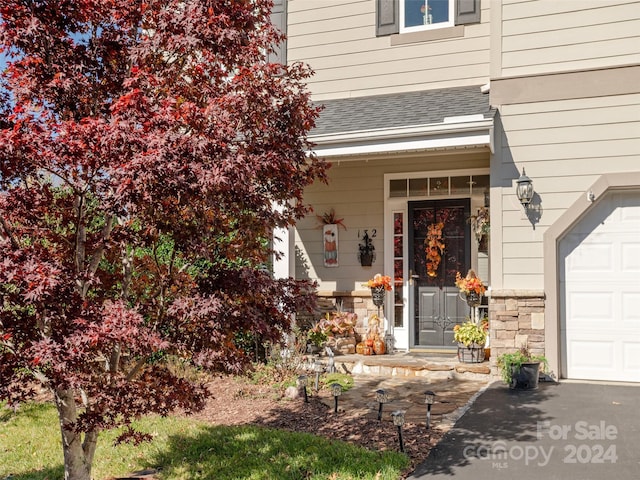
[{"x": 78, "y": 455}]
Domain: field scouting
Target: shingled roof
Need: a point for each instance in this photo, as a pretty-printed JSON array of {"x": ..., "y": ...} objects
[{"x": 400, "y": 109}]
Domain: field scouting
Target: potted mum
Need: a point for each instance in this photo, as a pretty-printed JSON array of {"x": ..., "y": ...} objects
[{"x": 471, "y": 339}]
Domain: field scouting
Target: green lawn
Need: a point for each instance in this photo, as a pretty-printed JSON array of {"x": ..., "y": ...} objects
[{"x": 184, "y": 449}]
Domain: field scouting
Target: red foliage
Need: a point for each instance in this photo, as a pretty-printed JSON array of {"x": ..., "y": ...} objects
[{"x": 143, "y": 148}]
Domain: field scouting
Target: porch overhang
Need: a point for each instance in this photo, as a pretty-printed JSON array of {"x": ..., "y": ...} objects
[
  {"x": 469, "y": 133},
  {"x": 439, "y": 119}
]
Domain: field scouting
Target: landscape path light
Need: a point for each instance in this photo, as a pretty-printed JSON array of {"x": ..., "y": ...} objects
[
  {"x": 398, "y": 421},
  {"x": 302, "y": 382},
  {"x": 336, "y": 390},
  {"x": 430, "y": 398},
  {"x": 381, "y": 397},
  {"x": 318, "y": 368}
]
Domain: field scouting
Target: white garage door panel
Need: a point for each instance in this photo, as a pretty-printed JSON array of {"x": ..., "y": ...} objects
[
  {"x": 630, "y": 257},
  {"x": 631, "y": 356},
  {"x": 589, "y": 306},
  {"x": 591, "y": 355},
  {"x": 631, "y": 309},
  {"x": 600, "y": 281},
  {"x": 590, "y": 258}
]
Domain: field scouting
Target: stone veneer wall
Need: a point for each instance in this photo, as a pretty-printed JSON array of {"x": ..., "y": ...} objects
[{"x": 516, "y": 318}]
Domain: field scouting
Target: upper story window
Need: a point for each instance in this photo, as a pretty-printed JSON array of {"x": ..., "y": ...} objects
[
  {"x": 417, "y": 15},
  {"x": 405, "y": 16}
]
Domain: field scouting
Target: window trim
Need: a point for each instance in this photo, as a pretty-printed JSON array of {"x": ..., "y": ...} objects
[
  {"x": 426, "y": 27},
  {"x": 466, "y": 12},
  {"x": 427, "y": 35}
]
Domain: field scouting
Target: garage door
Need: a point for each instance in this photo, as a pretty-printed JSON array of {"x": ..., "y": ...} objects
[{"x": 600, "y": 292}]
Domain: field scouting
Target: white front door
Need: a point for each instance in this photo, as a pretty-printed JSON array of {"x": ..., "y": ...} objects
[{"x": 600, "y": 281}]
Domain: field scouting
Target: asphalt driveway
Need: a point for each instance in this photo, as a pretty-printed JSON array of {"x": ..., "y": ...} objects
[{"x": 567, "y": 431}]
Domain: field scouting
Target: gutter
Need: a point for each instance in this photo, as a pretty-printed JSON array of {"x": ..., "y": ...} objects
[{"x": 454, "y": 132}]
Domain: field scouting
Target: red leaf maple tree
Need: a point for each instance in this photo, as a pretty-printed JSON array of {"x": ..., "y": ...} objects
[{"x": 144, "y": 148}]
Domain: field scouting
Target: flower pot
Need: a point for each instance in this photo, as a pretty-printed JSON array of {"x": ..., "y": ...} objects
[
  {"x": 526, "y": 377},
  {"x": 474, "y": 353},
  {"x": 473, "y": 299},
  {"x": 377, "y": 294},
  {"x": 366, "y": 259}
]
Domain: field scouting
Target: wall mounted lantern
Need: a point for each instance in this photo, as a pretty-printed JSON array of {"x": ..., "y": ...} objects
[{"x": 524, "y": 189}]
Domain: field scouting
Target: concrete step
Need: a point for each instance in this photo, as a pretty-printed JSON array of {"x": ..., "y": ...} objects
[{"x": 410, "y": 364}]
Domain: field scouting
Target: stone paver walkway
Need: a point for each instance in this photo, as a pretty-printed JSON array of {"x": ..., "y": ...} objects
[{"x": 406, "y": 377}]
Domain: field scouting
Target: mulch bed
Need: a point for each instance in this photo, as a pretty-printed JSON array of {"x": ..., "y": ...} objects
[{"x": 235, "y": 402}]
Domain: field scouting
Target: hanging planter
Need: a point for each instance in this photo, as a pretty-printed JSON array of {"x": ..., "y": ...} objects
[
  {"x": 379, "y": 284},
  {"x": 366, "y": 250},
  {"x": 480, "y": 224},
  {"x": 471, "y": 287},
  {"x": 473, "y": 298},
  {"x": 377, "y": 295}
]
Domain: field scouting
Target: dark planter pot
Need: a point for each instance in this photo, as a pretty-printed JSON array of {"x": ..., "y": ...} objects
[
  {"x": 473, "y": 299},
  {"x": 526, "y": 377},
  {"x": 366, "y": 259},
  {"x": 474, "y": 353},
  {"x": 377, "y": 294}
]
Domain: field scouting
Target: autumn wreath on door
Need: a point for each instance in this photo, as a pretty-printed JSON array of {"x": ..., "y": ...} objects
[{"x": 434, "y": 248}]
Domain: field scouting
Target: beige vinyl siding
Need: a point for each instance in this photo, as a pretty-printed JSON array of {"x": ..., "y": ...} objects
[
  {"x": 356, "y": 193},
  {"x": 583, "y": 139},
  {"x": 337, "y": 39},
  {"x": 554, "y": 36}
]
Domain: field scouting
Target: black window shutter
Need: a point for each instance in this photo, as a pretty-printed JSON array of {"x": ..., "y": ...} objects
[
  {"x": 387, "y": 17},
  {"x": 467, "y": 11},
  {"x": 279, "y": 20}
]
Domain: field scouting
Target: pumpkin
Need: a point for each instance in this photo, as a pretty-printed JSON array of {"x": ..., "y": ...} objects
[
  {"x": 360, "y": 348},
  {"x": 378, "y": 347},
  {"x": 369, "y": 342}
]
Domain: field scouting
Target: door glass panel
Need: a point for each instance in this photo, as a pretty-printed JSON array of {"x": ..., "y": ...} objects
[
  {"x": 418, "y": 187},
  {"x": 397, "y": 246},
  {"x": 460, "y": 185},
  {"x": 398, "y": 188},
  {"x": 439, "y": 186},
  {"x": 480, "y": 184},
  {"x": 398, "y": 269}
]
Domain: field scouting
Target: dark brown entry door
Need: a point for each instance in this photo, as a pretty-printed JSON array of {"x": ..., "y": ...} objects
[{"x": 439, "y": 227}]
